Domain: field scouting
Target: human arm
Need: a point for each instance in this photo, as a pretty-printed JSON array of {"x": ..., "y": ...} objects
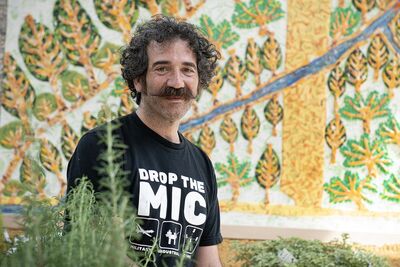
[{"x": 207, "y": 256}]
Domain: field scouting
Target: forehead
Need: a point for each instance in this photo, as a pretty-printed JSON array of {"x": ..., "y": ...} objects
[{"x": 173, "y": 51}]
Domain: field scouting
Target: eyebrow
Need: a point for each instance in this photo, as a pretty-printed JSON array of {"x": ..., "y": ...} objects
[{"x": 165, "y": 62}]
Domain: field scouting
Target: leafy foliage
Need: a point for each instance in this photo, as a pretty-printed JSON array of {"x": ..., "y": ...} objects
[
  {"x": 343, "y": 22},
  {"x": 356, "y": 69},
  {"x": 236, "y": 72},
  {"x": 364, "y": 6},
  {"x": 207, "y": 139},
  {"x": 229, "y": 131},
  {"x": 12, "y": 135},
  {"x": 17, "y": 93},
  {"x": 350, "y": 189},
  {"x": 372, "y": 155},
  {"x": 216, "y": 84},
  {"x": 221, "y": 35},
  {"x": 253, "y": 60},
  {"x": 250, "y": 125},
  {"x": 258, "y": 13},
  {"x": 271, "y": 55},
  {"x": 32, "y": 176},
  {"x": 391, "y": 75},
  {"x": 273, "y": 113},
  {"x": 40, "y": 50},
  {"x": 358, "y": 108},
  {"x": 106, "y": 57},
  {"x": 389, "y": 131},
  {"x": 391, "y": 189},
  {"x": 44, "y": 105},
  {"x": 74, "y": 86},
  {"x": 69, "y": 140},
  {"x": 268, "y": 170},
  {"x": 335, "y": 136},
  {"x": 378, "y": 54},
  {"x": 306, "y": 253},
  {"x": 75, "y": 30},
  {"x": 117, "y": 15},
  {"x": 234, "y": 173}
]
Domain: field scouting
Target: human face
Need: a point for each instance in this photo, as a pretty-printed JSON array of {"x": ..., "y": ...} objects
[{"x": 172, "y": 65}]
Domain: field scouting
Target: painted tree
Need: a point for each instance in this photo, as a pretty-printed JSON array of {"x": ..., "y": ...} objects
[
  {"x": 69, "y": 140},
  {"x": 258, "y": 13},
  {"x": 271, "y": 55},
  {"x": 268, "y": 171},
  {"x": 253, "y": 60},
  {"x": 250, "y": 125},
  {"x": 229, "y": 132},
  {"x": 389, "y": 131},
  {"x": 221, "y": 34},
  {"x": 366, "y": 153},
  {"x": 74, "y": 86},
  {"x": 358, "y": 108},
  {"x": 118, "y": 15},
  {"x": 378, "y": 54},
  {"x": 42, "y": 54},
  {"x": 207, "y": 139},
  {"x": 273, "y": 113},
  {"x": 391, "y": 189},
  {"x": 364, "y": 6},
  {"x": 336, "y": 85},
  {"x": 349, "y": 189},
  {"x": 45, "y": 104},
  {"x": 234, "y": 173},
  {"x": 78, "y": 36},
  {"x": 51, "y": 160},
  {"x": 344, "y": 21},
  {"x": 356, "y": 69},
  {"x": 216, "y": 84},
  {"x": 391, "y": 76},
  {"x": 236, "y": 72},
  {"x": 383, "y": 4},
  {"x": 32, "y": 176},
  {"x": 335, "y": 136}
]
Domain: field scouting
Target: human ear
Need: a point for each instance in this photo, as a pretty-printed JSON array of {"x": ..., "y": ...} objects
[{"x": 138, "y": 82}]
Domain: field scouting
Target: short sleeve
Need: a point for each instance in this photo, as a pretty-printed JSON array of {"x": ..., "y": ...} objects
[{"x": 212, "y": 230}]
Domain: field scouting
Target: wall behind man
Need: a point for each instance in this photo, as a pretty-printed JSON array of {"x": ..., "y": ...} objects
[{"x": 301, "y": 121}]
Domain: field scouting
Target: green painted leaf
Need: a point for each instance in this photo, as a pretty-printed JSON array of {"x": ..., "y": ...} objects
[
  {"x": 349, "y": 189},
  {"x": 44, "y": 105},
  {"x": 119, "y": 16},
  {"x": 344, "y": 21},
  {"x": 389, "y": 131},
  {"x": 391, "y": 189},
  {"x": 12, "y": 135},
  {"x": 75, "y": 31},
  {"x": 50, "y": 156},
  {"x": 220, "y": 34},
  {"x": 256, "y": 13},
  {"x": 17, "y": 94},
  {"x": 268, "y": 169},
  {"x": 32, "y": 175},
  {"x": 106, "y": 56},
  {"x": 40, "y": 50},
  {"x": 69, "y": 140},
  {"x": 74, "y": 86},
  {"x": 366, "y": 153},
  {"x": 14, "y": 188}
]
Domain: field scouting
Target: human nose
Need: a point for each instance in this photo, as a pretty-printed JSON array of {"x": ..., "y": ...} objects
[{"x": 175, "y": 80}]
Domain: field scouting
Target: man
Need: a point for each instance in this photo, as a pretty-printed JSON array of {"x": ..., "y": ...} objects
[{"x": 166, "y": 65}]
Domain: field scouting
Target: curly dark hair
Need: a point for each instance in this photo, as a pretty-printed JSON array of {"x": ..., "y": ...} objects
[{"x": 134, "y": 59}]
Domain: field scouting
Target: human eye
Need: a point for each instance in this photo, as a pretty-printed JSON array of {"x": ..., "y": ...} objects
[
  {"x": 161, "y": 69},
  {"x": 189, "y": 70}
]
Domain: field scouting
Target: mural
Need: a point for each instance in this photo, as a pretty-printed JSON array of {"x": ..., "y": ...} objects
[{"x": 302, "y": 120}]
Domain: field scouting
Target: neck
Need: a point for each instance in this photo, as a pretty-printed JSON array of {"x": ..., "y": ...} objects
[{"x": 165, "y": 128}]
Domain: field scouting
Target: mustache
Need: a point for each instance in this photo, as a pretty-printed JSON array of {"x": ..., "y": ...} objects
[{"x": 176, "y": 92}]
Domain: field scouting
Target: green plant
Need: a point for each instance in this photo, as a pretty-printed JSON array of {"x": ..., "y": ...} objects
[{"x": 296, "y": 252}]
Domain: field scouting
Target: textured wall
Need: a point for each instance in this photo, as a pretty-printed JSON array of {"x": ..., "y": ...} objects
[{"x": 301, "y": 121}]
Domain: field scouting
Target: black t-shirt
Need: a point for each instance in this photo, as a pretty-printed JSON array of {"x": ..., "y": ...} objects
[{"x": 173, "y": 188}]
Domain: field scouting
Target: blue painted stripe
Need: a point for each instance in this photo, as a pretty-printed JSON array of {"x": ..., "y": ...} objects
[{"x": 313, "y": 67}]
